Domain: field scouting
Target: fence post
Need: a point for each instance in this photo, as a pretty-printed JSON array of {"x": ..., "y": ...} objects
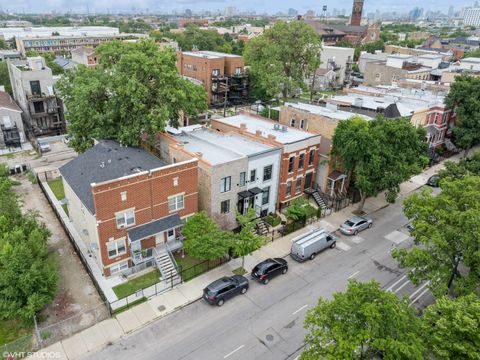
[
  {"x": 171, "y": 278},
  {"x": 37, "y": 331}
]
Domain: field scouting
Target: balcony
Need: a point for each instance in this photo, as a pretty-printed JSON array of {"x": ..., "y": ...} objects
[{"x": 35, "y": 97}]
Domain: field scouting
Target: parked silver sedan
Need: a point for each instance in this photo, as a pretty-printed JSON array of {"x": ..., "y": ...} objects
[{"x": 356, "y": 224}]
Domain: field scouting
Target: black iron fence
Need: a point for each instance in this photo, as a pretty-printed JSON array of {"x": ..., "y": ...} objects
[{"x": 189, "y": 273}]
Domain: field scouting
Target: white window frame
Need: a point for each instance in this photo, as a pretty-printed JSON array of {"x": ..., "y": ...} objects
[
  {"x": 122, "y": 219},
  {"x": 176, "y": 202},
  {"x": 121, "y": 266},
  {"x": 225, "y": 184},
  {"x": 302, "y": 124},
  {"x": 123, "y": 196},
  {"x": 243, "y": 179},
  {"x": 289, "y": 193},
  {"x": 292, "y": 122},
  {"x": 117, "y": 244},
  {"x": 297, "y": 189}
]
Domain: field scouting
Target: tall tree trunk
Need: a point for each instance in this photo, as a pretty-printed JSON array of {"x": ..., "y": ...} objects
[
  {"x": 243, "y": 262},
  {"x": 312, "y": 85},
  {"x": 454, "y": 273},
  {"x": 363, "y": 197}
]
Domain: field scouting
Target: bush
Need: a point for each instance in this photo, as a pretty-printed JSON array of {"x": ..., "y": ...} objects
[{"x": 273, "y": 219}]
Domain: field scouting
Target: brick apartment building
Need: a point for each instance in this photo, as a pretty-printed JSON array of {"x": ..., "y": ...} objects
[
  {"x": 127, "y": 205},
  {"x": 85, "y": 55},
  {"x": 300, "y": 151},
  {"x": 222, "y": 75}
]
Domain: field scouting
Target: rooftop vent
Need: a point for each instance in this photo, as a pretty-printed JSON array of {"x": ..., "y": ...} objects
[
  {"x": 276, "y": 127},
  {"x": 284, "y": 128}
]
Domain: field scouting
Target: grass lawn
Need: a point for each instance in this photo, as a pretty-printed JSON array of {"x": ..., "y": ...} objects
[
  {"x": 11, "y": 330},
  {"x": 57, "y": 187},
  {"x": 187, "y": 264},
  {"x": 132, "y": 286},
  {"x": 65, "y": 208}
]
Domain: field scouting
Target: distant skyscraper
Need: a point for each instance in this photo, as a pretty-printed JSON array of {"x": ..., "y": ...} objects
[
  {"x": 188, "y": 13},
  {"x": 450, "y": 11},
  {"x": 230, "y": 11},
  {"x": 357, "y": 9},
  {"x": 416, "y": 13},
  {"x": 472, "y": 17},
  {"x": 292, "y": 12}
]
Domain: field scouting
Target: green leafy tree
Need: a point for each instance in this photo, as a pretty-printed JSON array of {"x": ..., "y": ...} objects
[
  {"x": 474, "y": 53},
  {"x": 463, "y": 96},
  {"x": 445, "y": 228},
  {"x": 5, "y": 77},
  {"x": 28, "y": 271},
  {"x": 297, "y": 211},
  {"x": 134, "y": 90},
  {"x": 465, "y": 167},
  {"x": 247, "y": 240},
  {"x": 282, "y": 57},
  {"x": 364, "y": 322},
  {"x": 380, "y": 154},
  {"x": 451, "y": 328},
  {"x": 203, "y": 239}
]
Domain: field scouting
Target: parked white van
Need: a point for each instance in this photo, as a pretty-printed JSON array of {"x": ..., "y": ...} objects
[{"x": 307, "y": 246}]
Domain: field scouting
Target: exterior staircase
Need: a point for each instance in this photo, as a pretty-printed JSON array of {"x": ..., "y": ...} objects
[
  {"x": 318, "y": 198},
  {"x": 167, "y": 267},
  {"x": 262, "y": 228}
]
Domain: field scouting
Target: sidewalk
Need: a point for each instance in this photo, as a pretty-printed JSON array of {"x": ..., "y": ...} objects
[{"x": 94, "y": 338}]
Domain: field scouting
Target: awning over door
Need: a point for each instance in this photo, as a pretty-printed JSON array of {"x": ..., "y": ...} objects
[{"x": 154, "y": 227}]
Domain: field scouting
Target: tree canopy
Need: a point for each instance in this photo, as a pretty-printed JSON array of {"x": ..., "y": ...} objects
[
  {"x": 379, "y": 154},
  {"x": 247, "y": 240},
  {"x": 465, "y": 167},
  {"x": 451, "y": 328},
  {"x": 445, "y": 228},
  {"x": 134, "y": 90},
  {"x": 28, "y": 272},
  {"x": 203, "y": 239},
  {"x": 5, "y": 77},
  {"x": 364, "y": 322},
  {"x": 463, "y": 96},
  {"x": 281, "y": 58}
]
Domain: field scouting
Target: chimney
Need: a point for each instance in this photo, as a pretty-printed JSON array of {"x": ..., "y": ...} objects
[
  {"x": 243, "y": 127},
  {"x": 258, "y": 132},
  {"x": 199, "y": 154},
  {"x": 271, "y": 137}
]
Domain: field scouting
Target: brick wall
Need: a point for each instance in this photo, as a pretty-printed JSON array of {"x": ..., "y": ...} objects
[{"x": 148, "y": 194}]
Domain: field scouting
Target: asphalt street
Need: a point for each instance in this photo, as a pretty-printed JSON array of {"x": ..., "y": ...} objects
[{"x": 267, "y": 322}]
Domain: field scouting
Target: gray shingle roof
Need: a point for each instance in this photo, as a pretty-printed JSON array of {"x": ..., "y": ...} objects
[
  {"x": 105, "y": 161},
  {"x": 154, "y": 227}
]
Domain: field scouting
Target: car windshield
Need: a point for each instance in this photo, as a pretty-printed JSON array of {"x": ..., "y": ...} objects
[
  {"x": 349, "y": 223},
  {"x": 209, "y": 292}
]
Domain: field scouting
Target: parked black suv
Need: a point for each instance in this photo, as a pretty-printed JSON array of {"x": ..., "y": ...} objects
[
  {"x": 225, "y": 288},
  {"x": 268, "y": 269}
]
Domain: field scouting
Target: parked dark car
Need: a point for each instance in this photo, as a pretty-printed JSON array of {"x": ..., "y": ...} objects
[
  {"x": 225, "y": 288},
  {"x": 433, "y": 180},
  {"x": 268, "y": 269}
]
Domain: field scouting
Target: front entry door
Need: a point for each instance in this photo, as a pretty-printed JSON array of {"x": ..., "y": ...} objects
[
  {"x": 170, "y": 235},
  {"x": 308, "y": 181},
  {"x": 159, "y": 239}
]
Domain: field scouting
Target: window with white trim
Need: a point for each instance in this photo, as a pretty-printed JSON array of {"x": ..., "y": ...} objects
[
  {"x": 302, "y": 124},
  {"x": 243, "y": 176},
  {"x": 298, "y": 185},
  {"x": 118, "y": 267},
  {"x": 176, "y": 202},
  {"x": 301, "y": 161},
  {"x": 288, "y": 189},
  {"x": 225, "y": 184},
  {"x": 267, "y": 172},
  {"x": 292, "y": 122},
  {"x": 311, "y": 157},
  {"x": 116, "y": 248},
  {"x": 123, "y": 196},
  {"x": 266, "y": 195},
  {"x": 125, "y": 219}
]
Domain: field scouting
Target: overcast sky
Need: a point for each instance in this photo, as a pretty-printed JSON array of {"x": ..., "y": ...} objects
[{"x": 270, "y": 6}]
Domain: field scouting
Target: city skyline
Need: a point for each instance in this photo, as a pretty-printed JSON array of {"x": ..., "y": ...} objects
[{"x": 268, "y": 6}]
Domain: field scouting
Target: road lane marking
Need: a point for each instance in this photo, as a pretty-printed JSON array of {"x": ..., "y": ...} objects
[
  {"x": 298, "y": 310},
  {"x": 343, "y": 246},
  {"x": 419, "y": 296},
  {"x": 396, "y": 283},
  {"x": 403, "y": 285},
  {"x": 351, "y": 276},
  {"x": 418, "y": 290},
  {"x": 234, "y": 351}
]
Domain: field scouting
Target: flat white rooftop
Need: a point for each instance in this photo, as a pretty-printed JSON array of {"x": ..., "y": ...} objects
[
  {"x": 266, "y": 127},
  {"x": 323, "y": 111},
  {"x": 217, "y": 147},
  {"x": 201, "y": 55},
  {"x": 11, "y": 32}
]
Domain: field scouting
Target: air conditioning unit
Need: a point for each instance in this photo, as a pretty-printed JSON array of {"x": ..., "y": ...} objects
[
  {"x": 284, "y": 128},
  {"x": 276, "y": 126}
]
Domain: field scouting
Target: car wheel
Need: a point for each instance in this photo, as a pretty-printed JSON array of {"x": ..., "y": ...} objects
[
  {"x": 220, "y": 302},
  {"x": 266, "y": 281},
  {"x": 312, "y": 256},
  {"x": 284, "y": 271},
  {"x": 244, "y": 290},
  {"x": 333, "y": 245},
  {"x": 370, "y": 225},
  {"x": 355, "y": 232}
]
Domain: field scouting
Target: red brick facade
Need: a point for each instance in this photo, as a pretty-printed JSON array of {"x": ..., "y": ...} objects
[
  {"x": 443, "y": 120},
  {"x": 202, "y": 68},
  {"x": 147, "y": 193}
]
